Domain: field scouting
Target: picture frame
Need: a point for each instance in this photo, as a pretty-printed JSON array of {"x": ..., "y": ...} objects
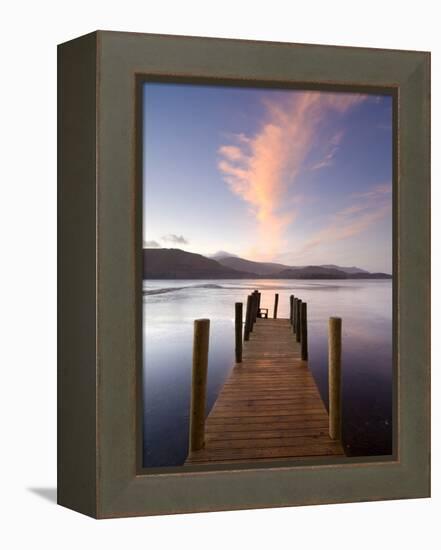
[{"x": 99, "y": 269}]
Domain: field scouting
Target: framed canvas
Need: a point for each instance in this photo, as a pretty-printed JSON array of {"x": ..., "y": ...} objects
[{"x": 244, "y": 274}]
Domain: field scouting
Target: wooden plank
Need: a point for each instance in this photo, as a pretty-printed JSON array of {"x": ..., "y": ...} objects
[
  {"x": 230, "y": 402},
  {"x": 299, "y": 441},
  {"x": 259, "y": 426},
  {"x": 261, "y": 415},
  {"x": 333, "y": 448},
  {"x": 269, "y": 408},
  {"x": 268, "y": 434},
  {"x": 264, "y": 405}
]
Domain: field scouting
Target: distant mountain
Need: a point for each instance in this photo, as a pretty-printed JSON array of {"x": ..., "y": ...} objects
[
  {"x": 275, "y": 270},
  {"x": 320, "y": 272},
  {"x": 346, "y": 269},
  {"x": 366, "y": 275},
  {"x": 220, "y": 254},
  {"x": 173, "y": 263},
  {"x": 260, "y": 268},
  {"x": 311, "y": 272}
]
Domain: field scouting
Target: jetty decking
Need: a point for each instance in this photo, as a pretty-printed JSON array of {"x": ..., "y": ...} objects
[{"x": 270, "y": 407}]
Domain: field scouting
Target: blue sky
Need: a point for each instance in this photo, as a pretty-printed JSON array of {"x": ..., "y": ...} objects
[{"x": 300, "y": 177}]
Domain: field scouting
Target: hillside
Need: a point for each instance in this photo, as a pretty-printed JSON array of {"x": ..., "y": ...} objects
[
  {"x": 311, "y": 272},
  {"x": 350, "y": 270},
  {"x": 261, "y": 268},
  {"x": 173, "y": 263},
  {"x": 366, "y": 275},
  {"x": 281, "y": 271}
]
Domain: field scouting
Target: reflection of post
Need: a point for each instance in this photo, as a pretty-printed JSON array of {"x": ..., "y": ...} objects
[
  {"x": 246, "y": 335},
  {"x": 298, "y": 318},
  {"x": 291, "y": 309},
  {"x": 276, "y": 304},
  {"x": 238, "y": 327},
  {"x": 334, "y": 366},
  {"x": 199, "y": 383},
  {"x": 304, "y": 332}
]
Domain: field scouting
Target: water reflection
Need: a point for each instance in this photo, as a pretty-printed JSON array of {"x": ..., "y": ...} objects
[{"x": 171, "y": 306}]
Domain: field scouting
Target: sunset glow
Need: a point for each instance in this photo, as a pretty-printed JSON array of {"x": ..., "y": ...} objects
[{"x": 299, "y": 177}]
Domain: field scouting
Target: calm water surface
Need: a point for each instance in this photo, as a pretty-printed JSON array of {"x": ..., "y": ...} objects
[{"x": 170, "y": 308}]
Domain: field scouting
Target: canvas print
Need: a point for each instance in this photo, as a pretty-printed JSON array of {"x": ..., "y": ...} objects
[{"x": 267, "y": 280}]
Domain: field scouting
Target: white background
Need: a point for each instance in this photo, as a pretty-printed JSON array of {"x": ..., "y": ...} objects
[{"x": 29, "y": 34}]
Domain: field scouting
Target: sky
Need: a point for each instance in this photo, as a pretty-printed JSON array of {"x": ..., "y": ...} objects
[{"x": 292, "y": 176}]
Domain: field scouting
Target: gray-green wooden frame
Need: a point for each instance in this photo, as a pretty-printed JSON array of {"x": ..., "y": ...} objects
[{"x": 100, "y": 345}]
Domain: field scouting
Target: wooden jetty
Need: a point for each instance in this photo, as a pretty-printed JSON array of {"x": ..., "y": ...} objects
[{"x": 270, "y": 407}]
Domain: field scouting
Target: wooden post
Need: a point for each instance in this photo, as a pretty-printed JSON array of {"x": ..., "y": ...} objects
[
  {"x": 253, "y": 299},
  {"x": 334, "y": 372},
  {"x": 238, "y": 327},
  {"x": 199, "y": 383},
  {"x": 246, "y": 335},
  {"x": 291, "y": 308},
  {"x": 252, "y": 310},
  {"x": 298, "y": 313},
  {"x": 293, "y": 314},
  {"x": 304, "y": 332},
  {"x": 276, "y": 304},
  {"x": 256, "y": 306}
]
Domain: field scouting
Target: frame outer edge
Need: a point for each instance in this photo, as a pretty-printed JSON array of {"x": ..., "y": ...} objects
[
  {"x": 77, "y": 380},
  {"x": 415, "y": 279}
]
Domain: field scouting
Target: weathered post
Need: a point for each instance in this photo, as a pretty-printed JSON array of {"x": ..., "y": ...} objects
[
  {"x": 276, "y": 305},
  {"x": 253, "y": 310},
  {"x": 334, "y": 366},
  {"x": 238, "y": 327},
  {"x": 304, "y": 332},
  {"x": 293, "y": 314},
  {"x": 199, "y": 383},
  {"x": 256, "y": 306},
  {"x": 291, "y": 308},
  {"x": 252, "y": 305},
  {"x": 247, "y": 330},
  {"x": 298, "y": 313}
]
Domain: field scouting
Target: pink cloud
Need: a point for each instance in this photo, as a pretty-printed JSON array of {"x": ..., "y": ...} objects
[
  {"x": 261, "y": 168},
  {"x": 231, "y": 153}
]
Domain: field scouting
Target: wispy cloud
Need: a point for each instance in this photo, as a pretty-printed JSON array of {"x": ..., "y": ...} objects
[
  {"x": 151, "y": 244},
  {"x": 366, "y": 209},
  {"x": 231, "y": 153},
  {"x": 176, "y": 239},
  {"x": 376, "y": 193},
  {"x": 330, "y": 151},
  {"x": 260, "y": 168}
]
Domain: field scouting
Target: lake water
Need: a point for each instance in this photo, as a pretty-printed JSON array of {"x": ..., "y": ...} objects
[{"x": 170, "y": 308}]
